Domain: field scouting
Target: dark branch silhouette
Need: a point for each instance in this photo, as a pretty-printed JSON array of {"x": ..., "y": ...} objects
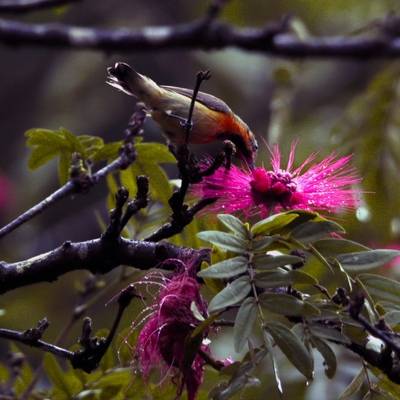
[
  {"x": 97, "y": 255},
  {"x": 25, "y": 6},
  {"x": 92, "y": 349},
  {"x": 273, "y": 39},
  {"x": 201, "y": 34}
]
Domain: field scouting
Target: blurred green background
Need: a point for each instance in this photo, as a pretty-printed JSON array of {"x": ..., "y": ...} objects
[{"x": 346, "y": 106}]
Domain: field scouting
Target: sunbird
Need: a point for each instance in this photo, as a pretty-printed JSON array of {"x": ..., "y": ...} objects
[{"x": 169, "y": 106}]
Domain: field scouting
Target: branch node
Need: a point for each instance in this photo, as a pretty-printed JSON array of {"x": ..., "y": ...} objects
[
  {"x": 126, "y": 296},
  {"x": 35, "y": 334}
]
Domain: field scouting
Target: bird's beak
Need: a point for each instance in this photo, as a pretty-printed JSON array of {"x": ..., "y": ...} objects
[{"x": 251, "y": 163}]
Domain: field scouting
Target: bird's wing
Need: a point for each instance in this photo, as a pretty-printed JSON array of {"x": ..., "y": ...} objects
[{"x": 210, "y": 101}]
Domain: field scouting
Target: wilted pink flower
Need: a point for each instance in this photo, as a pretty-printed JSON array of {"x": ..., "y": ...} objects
[
  {"x": 324, "y": 186},
  {"x": 161, "y": 342}
]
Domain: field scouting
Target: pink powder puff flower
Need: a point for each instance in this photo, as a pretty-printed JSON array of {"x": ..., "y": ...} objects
[
  {"x": 161, "y": 342},
  {"x": 324, "y": 186}
]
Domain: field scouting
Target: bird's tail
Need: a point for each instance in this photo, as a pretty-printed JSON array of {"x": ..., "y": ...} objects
[{"x": 126, "y": 79}]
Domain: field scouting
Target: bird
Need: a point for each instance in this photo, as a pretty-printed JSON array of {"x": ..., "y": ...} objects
[{"x": 212, "y": 118}]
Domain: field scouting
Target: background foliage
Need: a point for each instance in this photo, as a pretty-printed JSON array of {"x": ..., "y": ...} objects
[{"x": 341, "y": 105}]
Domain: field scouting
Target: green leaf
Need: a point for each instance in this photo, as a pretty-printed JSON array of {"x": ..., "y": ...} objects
[
  {"x": 235, "y": 225},
  {"x": 293, "y": 348},
  {"x": 232, "y": 294},
  {"x": 314, "y": 230},
  {"x": 4, "y": 374},
  {"x": 244, "y": 322},
  {"x": 366, "y": 260},
  {"x": 160, "y": 189},
  {"x": 47, "y": 144},
  {"x": 91, "y": 144},
  {"x": 193, "y": 342},
  {"x": 116, "y": 377},
  {"x": 273, "y": 223},
  {"x": 67, "y": 384},
  {"x": 329, "y": 334},
  {"x": 74, "y": 145},
  {"x": 155, "y": 152},
  {"x": 261, "y": 244},
  {"x": 268, "y": 261},
  {"x": 24, "y": 379},
  {"x": 108, "y": 152},
  {"x": 381, "y": 288},
  {"x": 225, "y": 241},
  {"x": 46, "y": 138},
  {"x": 128, "y": 181},
  {"x": 278, "y": 278},
  {"x": 328, "y": 355},
  {"x": 332, "y": 247},
  {"x": 203, "y": 326},
  {"x": 241, "y": 378},
  {"x": 354, "y": 386},
  {"x": 225, "y": 269},
  {"x": 275, "y": 369},
  {"x": 285, "y": 304},
  {"x": 40, "y": 156},
  {"x": 149, "y": 156},
  {"x": 64, "y": 165}
]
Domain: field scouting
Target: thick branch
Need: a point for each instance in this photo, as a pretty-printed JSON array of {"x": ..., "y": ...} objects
[
  {"x": 25, "y": 6},
  {"x": 200, "y": 35},
  {"x": 97, "y": 256}
]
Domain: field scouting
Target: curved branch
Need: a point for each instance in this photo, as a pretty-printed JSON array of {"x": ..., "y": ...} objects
[
  {"x": 97, "y": 256},
  {"x": 25, "y": 6},
  {"x": 203, "y": 34}
]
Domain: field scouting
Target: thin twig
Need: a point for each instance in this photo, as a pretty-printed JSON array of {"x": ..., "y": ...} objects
[
  {"x": 18, "y": 336},
  {"x": 216, "y": 364},
  {"x": 93, "y": 348},
  {"x": 200, "y": 78},
  {"x": 79, "y": 309},
  {"x": 126, "y": 157},
  {"x": 189, "y": 172},
  {"x": 178, "y": 223},
  {"x": 56, "y": 196}
]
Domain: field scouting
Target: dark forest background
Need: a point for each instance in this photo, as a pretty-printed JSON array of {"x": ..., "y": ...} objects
[{"x": 329, "y": 104}]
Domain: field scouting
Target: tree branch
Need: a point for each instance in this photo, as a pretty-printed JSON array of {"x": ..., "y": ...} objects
[
  {"x": 97, "y": 256},
  {"x": 93, "y": 348},
  {"x": 127, "y": 156},
  {"x": 21, "y": 337},
  {"x": 25, "y": 6},
  {"x": 205, "y": 33},
  {"x": 202, "y": 34}
]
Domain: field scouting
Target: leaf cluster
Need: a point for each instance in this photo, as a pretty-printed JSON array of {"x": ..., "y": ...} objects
[{"x": 276, "y": 277}]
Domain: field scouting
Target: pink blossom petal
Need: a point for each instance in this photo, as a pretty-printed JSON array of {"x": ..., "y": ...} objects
[{"x": 322, "y": 186}]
